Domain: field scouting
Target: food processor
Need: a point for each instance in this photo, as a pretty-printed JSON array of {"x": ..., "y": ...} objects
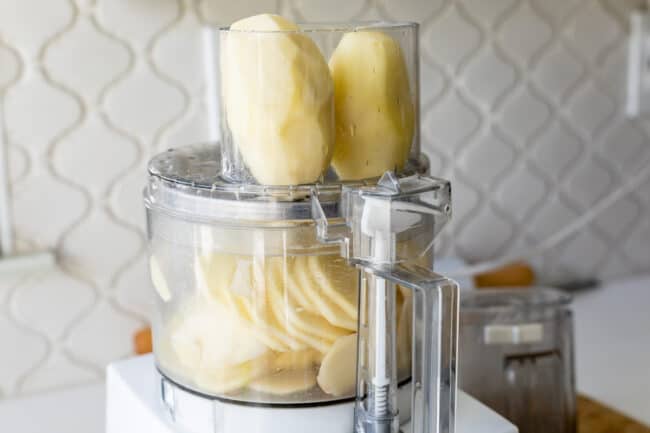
[{"x": 293, "y": 260}]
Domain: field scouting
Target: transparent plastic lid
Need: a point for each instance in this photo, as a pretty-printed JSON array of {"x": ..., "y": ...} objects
[{"x": 188, "y": 182}]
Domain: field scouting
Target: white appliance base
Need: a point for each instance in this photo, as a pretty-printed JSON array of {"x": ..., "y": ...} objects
[{"x": 133, "y": 405}]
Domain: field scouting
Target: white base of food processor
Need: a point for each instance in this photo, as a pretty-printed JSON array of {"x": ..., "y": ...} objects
[{"x": 133, "y": 405}]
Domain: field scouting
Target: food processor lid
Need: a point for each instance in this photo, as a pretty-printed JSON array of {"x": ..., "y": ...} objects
[{"x": 187, "y": 182}]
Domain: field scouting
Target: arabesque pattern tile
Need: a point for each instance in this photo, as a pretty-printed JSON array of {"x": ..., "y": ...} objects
[{"x": 522, "y": 108}]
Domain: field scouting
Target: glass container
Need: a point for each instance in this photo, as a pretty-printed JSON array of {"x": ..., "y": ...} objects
[{"x": 516, "y": 356}]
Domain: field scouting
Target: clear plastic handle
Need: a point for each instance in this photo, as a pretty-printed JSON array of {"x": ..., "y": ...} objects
[
  {"x": 434, "y": 344},
  {"x": 374, "y": 220}
]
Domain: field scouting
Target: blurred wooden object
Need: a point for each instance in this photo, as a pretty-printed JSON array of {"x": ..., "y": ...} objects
[
  {"x": 518, "y": 274},
  {"x": 142, "y": 341},
  {"x": 593, "y": 417}
]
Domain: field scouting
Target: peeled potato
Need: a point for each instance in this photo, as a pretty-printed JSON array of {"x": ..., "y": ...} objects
[
  {"x": 278, "y": 98},
  {"x": 375, "y": 116},
  {"x": 158, "y": 280},
  {"x": 285, "y": 382},
  {"x": 337, "y": 374}
]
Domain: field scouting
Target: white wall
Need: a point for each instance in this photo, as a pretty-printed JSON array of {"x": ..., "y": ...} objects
[{"x": 522, "y": 109}]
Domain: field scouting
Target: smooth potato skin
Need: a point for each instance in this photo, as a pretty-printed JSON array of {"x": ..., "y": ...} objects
[
  {"x": 278, "y": 98},
  {"x": 374, "y": 112}
]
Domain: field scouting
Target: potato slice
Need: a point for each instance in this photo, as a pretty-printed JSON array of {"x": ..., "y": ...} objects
[
  {"x": 333, "y": 313},
  {"x": 338, "y": 281},
  {"x": 278, "y": 98},
  {"x": 310, "y": 328},
  {"x": 404, "y": 335},
  {"x": 375, "y": 115},
  {"x": 228, "y": 279},
  {"x": 296, "y": 360},
  {"x": 285, "y": 382},
  {"x": 158, "y": 280},
  {"x": 207, "y": 334},
  {"x": 337, "y": 374},
  {"x": 222, "y": 380}
]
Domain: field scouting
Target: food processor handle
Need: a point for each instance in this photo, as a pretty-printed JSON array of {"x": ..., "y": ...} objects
[
  {"x": 434, "y": 344},
  {"x": 376, "y": 222}
]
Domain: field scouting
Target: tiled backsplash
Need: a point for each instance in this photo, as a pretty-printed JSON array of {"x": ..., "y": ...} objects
[{"x": 522, "y": 107}]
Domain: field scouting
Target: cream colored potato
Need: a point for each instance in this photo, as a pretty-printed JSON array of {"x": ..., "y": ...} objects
[
  {"x": 375, "y": 116},
  {"x": 278, "y": 97},
  {"x": 285, "y": 382},
  {"x": 337, "y": 372}
]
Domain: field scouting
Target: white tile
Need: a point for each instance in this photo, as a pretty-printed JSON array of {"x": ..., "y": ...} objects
[
  {"x": 489, "y": 12},
  {"x": 143, "y": 104},
  {"x": 522, "y": 192},
  {"x": 524, "y": 33},
  {"x": 590, "y": 109},
  {"x": 589, "y": 181},
  {"x": 52, "y": 302},
  {"x": 10, "y": 65},
  {"x": 98, "y": 247},
  {"x": 558, "y": 73},
  {"x": 19, "y": 163},
  {"x": 56, "y": 373},
  {"x": 583, "y": 254},
  {"x": 134, "y": 291},
  {"x": 126, "y": 198},
  {"x": 96, "y": 58},
  {"x": 332, "y": 10},
  {"x": 193, "y": 128},
  {"x": 550, "y": 218},
  {"x": 139, "y": 21},
  {"x": 593, "y": 31},
  {"x": 225, "y": 12},
  {"x": 36, "y": 112},
  {"x": 484, "y": 237},
  {"x": 557, "y": 10},
  {"x": 179, "y": 54},
  {"x": 620, "y": 218},
  {"x": 432, "y": 82},
  {"x": 523, "y": 115},
  {"x": 29, "y": 24},
  {"x": 94, "y": 156},
  {"x": 625, "y": 146},
  {"x": 28, "y": 350},
  {"x": 464, "y": 206},
  {"x": 557, "y": 150},
  {"x": 41, "y": 194},
  {"x": 487, "y": 159},
  {"x": 451, "y": 39},
  {"x": 450, "y": 123},
  {"x": 91, "y": 342},
  {"x": 414, "y": 10},
  {"x": 489, "y": 67},
  {"x": 637, "y": 246}
]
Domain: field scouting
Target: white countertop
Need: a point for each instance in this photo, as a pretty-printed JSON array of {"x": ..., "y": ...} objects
[
  {"x": 612, "y": 356},
  {"x": 612, "y": 329}
]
